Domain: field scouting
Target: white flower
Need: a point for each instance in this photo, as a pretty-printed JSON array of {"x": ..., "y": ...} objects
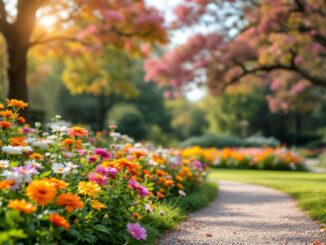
[
  {"x": 12, "y": 150},
  {"x": 4, "y": 163},
  {"x": 26, "y": 148},
  {"x": 34, "y": 164},
  {"x": 59, "y": 128},
  {"x": 148, "y": 209},
  {"x": 182, "y": 193},
  {"x": 30, "y": 140},
  {"x": 73, "y": 168},
  {"x": 60, "y": 168},
  {"x": 44, "y": 144},
  {"x": 151, "y": 162}
]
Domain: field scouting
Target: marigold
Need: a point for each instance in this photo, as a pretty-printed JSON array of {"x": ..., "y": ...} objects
[
  {"x": 97, "y": 205},
  {"x": 70, "y": 202},
  {"x": 17, "y": 103},
  {"x": 21, "y": 119},
  {"x": 36, "y": 156},
  {"x": 180, "y": 186},
  {"x": 22, "y": 205},
  {"x": 159, "y": 195},
  {"x": 7, "y": 114},
  {"x": 1, "y": 106},
  {"x": 78, "y": 131},
  {"x": 5, "y": 124},
  {"x": 41, "y": 191},
  {"x": 168, "y": 183},
  {"x": 137, "y": 215},
  {"x": 6, "y": 184},
  {"x": 59, "y": 220},
  {"x": 17, "y": 141},
  {"x": 59, "y": 184},
  {"x": 88, "y": 188}
]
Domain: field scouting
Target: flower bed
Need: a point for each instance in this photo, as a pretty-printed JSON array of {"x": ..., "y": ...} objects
[
  {"x": 67, "y": 186},
  {"x": 249, "y": 158}
]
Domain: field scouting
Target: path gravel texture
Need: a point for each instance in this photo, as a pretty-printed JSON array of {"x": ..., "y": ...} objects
[{"x": 247, "y": 214}]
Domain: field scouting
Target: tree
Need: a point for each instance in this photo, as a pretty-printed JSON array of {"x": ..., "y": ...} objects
[
  {"x": 126, "y": 24},
  {"x": 243, "y": 39}
]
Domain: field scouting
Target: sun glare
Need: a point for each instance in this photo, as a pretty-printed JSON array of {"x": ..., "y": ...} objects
[{"x": 47, "y": 21}]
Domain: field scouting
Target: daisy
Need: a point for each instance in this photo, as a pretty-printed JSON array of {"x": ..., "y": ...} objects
[
  {"x": 4, "y": 164},
  {"x": 73, "y": 168},
  {"x": 12, "y": 150},
  {"x": 60, "y": 168}
]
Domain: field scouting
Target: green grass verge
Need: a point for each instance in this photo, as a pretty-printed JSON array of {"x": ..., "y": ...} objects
[
  {"x": 309, "y": 189},
  {"x": 170, "y": 213}
]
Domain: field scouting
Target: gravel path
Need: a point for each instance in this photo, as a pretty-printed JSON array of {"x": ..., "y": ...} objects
[{"x": 247, "y": 215}]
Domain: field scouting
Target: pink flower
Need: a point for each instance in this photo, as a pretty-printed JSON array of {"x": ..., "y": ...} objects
[
  {"x": 137, "y": 231},
  {"x": 143, "y": 191},
  {"x": 102, "y": 152},
  {"x": 98, "y": 178}
]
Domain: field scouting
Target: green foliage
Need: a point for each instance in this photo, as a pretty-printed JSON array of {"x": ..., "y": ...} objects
[{"x": 129, "y": 119}]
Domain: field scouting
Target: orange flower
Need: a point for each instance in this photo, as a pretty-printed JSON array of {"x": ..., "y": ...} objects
[
  {"x": 1, "y": 106},
  {"x": 168, "y": 182},
  {"x": 68, "y": 141},
  {"x": 179, "y": 178},
  {"x": 132, "y": 167},
  {"x": 180, "y": 186},
  {"x": 22, "y": 205},
  {"x": 36, "y": 156},
  {"x": 97, "y": 205},
  {"x": 70, "y": 202},
  {"x": 159, "y": 195},
  {"x": 78, "y": 131},
  {"x": 59, "y": 184},
  {"x": 5, "y": 124},
  {"x": 59, "y": 220},
  {"x": 161, "y": 190},
  {"x": 137, "y": 215},
  {"x": 21, "y": 119},
  {"x": 17, "y": 103},
  {"x": 18, "y": 141},
  {"x": 160, "y": 172},
  {"x": 41, "y": 191},
  {"x": 7, "y": 114},
  {"x": 6, "y": 184}
]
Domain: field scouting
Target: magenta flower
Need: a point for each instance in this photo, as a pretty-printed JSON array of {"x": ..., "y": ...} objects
[
  {"x": 98, "y": 178},
  {"x": 137, "y": 231},
  {"x": 106, "y": 171},
  {"x": 102, "y": 152},
  {"x": 143, "y": 191}
]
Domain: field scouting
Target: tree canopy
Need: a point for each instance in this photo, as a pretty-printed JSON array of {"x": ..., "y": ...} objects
[{"x": 279, "y": 41}]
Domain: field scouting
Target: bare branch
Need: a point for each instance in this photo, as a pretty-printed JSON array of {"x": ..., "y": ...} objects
[{"x": 56, "y": 39}]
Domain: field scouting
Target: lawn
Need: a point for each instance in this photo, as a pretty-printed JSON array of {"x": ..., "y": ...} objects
[{"x": 309, "y": 189}]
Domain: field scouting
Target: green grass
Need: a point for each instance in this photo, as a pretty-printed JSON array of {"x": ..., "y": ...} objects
[
  {"x": 170, "y": 213},
  {"x": 309, "y": 189}
]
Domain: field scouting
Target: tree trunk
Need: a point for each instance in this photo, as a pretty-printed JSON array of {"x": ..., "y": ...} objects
[
  {"x": 17, "y": 71},
  {"x": 102, "y": 112}
]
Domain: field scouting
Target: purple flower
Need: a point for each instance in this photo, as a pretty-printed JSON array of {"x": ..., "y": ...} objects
[
  {"x": 198, "y": 164},
  {"x": 137, "y": 231},
  {"x": 25, "y": 172},
  {"x": 98, "y": 178},
  {"x": 102, "y": 152},
  {"x": 143, "y": 191},
  {"x": 105, "y": 171}
]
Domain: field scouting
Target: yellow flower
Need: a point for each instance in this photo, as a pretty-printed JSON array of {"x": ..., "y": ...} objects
[
  {"x": 89, "y": 188},
  {"x": 97, "y": 205}
]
